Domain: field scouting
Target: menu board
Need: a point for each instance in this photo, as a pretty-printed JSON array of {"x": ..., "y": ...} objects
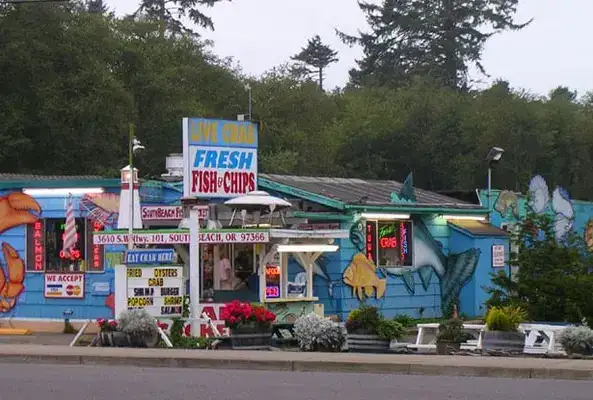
[{"x": 157, "y": 289}]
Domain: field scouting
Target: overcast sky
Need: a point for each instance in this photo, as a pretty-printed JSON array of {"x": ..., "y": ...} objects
[{"x": 260, "y": 34}]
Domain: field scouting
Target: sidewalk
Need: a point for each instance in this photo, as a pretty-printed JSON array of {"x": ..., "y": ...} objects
[{"x": 521, "y": 368}]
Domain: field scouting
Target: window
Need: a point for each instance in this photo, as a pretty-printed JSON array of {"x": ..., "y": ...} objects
[
  {"x": 55, "y": 258},
  {"x": 389, "y": 243},
  {"x": 45, "y": 247}
]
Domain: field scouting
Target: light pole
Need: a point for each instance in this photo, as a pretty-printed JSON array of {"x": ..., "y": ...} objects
[
  {"x": 133, "y": 146},
  {"x": 248, "y": 89},
  {"x": 493, "y": 157}
]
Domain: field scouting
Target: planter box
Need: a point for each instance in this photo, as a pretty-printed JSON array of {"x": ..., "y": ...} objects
[
  {"x": 113, "y": 339},
  {"x": 366, "y": 343},
  {"x": 251, "y": 338},
  {"x": 506, "y": 343}
]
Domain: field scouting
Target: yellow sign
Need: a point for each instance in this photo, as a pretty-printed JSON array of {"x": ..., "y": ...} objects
[
  {"x": 173, "y": 300},
  {"x": 156, "y": 282}
]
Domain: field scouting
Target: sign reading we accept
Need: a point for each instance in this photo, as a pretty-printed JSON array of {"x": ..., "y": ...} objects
[{"x": 220, "y": 157}]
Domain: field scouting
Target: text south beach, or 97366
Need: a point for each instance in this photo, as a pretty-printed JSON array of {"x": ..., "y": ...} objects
[{"x": 221, "y": 157}]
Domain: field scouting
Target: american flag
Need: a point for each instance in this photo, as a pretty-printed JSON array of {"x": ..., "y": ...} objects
[{"x": 70, "y": 229}]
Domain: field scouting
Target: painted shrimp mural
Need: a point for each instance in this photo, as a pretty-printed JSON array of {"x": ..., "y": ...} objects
[
  {"x": 453, "y": 271},
  {"x": 15, "y": 209}
]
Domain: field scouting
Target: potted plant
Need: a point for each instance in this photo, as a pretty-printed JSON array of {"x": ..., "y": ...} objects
[
  {"x": 250, "y": 325},
  {"x": 368, "y": 331},
  {"x": 316, "y": 333},
  {"x": 502, "y": 331},
  {"x": 140, "y": 328},
  {"x": 450, "y": 336}
]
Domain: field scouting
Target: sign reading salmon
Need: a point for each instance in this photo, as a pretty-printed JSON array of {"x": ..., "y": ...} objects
[{"x": 220, "y": 157}]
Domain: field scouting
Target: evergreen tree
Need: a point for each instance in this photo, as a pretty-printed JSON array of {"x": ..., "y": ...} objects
[
  {"x": 314, "y": 58},
  {"x": 169, "y": 13},
  {"x": 96, "y": 7},
  {"x": 435, "y": 38}
]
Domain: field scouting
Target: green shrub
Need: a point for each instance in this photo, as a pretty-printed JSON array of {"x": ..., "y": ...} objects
[
  {"x": 365, "y": 318},
  {"x": 506, "y": 319},
  {"x": 405, "y": 320},
  {"x": 452, "y": 331},
  {"x": 388, "y": 329}
]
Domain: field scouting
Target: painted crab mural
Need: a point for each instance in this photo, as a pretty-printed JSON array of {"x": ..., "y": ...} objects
[{"x": 15, "y": 209}]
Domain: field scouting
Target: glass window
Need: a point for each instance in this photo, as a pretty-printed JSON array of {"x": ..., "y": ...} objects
[
  {"x": 45, "y": 247},
  {"x": 389, "y": 243},
  {"x": 56, "y": 259}
]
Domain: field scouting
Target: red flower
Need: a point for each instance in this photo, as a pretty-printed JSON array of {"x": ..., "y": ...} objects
[
  {"x": 113, "y": 323},
  {"x": 163, "y": 325},
  {"x": 187, "y": 330}
]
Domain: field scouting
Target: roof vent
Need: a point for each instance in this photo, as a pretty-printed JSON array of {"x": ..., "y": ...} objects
[{"x": 174, "y": 166}]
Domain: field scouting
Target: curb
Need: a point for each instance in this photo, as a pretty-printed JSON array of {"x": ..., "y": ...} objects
[{"x": 403, "y": 368}]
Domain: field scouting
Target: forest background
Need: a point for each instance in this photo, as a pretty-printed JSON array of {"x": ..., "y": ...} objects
[{"x": 74, "y": 76}]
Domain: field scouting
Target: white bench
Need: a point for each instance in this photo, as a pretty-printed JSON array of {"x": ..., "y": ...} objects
[
  {"x": 542, "y": 338},
  {"x": 539, "y": 338},
  {"x": 434, "y": 328}
]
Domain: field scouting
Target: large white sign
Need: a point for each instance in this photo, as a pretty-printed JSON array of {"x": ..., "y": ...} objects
[
  {"x": 182, "y": 237},
  {"x": 168, "y": 213},
  {"x": 158, "y": 290},
  {"x": 64, "y": 285},
  {"x": 220, "y": 157}
]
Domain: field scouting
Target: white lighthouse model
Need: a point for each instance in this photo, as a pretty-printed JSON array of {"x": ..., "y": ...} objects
[{"x": 129, "y": 200}]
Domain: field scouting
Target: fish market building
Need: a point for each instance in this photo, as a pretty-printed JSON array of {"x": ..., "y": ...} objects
[{"x": 427, "y": 250}]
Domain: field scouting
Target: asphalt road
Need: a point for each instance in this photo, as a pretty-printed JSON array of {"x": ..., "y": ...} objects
[{"x": 64, "y": 382}]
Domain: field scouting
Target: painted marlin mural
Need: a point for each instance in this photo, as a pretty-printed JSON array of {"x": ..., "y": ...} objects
[{"x": 453, "y": 271}]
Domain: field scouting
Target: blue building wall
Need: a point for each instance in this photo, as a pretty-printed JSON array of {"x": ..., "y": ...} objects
[{"x": 474, "y": 294}]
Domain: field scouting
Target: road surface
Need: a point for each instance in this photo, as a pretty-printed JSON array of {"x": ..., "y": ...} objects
[{"x": 65, "y": 382}]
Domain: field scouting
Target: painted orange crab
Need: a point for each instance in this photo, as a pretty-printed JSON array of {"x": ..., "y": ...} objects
[{"x": 15, "y": 210}]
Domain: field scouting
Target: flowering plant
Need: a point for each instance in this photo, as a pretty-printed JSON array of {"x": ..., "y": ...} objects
[
  {"x": 106, "y": 325},
  {"x": 237, "y": 313}
]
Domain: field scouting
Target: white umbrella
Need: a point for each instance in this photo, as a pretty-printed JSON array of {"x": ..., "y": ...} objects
[{"x": 257, "y": 201}]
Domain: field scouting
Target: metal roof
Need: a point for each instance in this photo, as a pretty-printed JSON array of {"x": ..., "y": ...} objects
[
  {"x": 360, "y": 193},
  {"x": 14, "y": 181}
]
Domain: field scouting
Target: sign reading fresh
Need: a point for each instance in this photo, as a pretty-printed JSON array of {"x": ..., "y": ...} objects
[
  {"x": 181, "y": 236},
  {"x": 64, "y": 285},
  {"x": 220, "y": 157}
]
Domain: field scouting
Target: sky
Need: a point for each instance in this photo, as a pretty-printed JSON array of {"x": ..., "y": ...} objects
[{"x": 262, "y": 34}]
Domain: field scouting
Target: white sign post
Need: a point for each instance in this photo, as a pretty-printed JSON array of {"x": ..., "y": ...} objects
[
  {"x": 498, "y": 256},
  {"x": 194, "y": 270}
]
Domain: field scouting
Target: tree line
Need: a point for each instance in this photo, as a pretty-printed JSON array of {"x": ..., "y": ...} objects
[{"x": 75, "y": 76}]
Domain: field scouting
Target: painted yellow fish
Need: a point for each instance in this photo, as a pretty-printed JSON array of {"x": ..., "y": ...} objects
[{"x": 361, "y": 275}]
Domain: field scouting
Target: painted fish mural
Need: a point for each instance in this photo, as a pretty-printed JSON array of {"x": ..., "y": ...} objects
[
  {"x": 361, "y": 275},
  {"x": 561, "y": 205},
  {"x": 507, "y": 202},
  {"x": 453, "y": 271}
]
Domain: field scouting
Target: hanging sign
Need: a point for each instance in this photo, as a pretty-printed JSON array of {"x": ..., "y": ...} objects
[
  {"x": 150, "y": 256},
  {"x": 158, "y": 290},
  {"x": 168, "y": 213},
  {"x": 64, "y": 285}
]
